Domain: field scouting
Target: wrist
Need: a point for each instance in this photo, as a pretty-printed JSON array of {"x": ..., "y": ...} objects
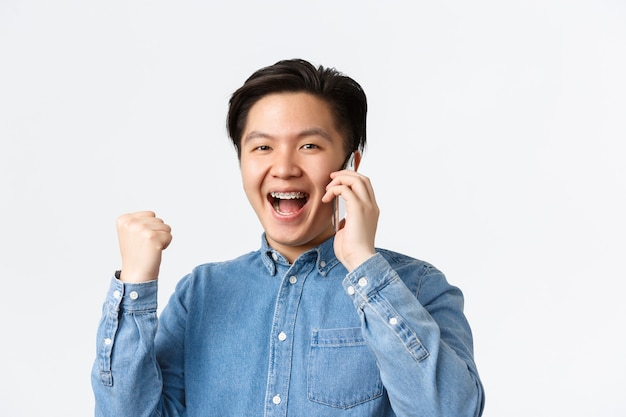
[
  {"x": 356, "y": 260},
  {"x": 136, "y": 277}
]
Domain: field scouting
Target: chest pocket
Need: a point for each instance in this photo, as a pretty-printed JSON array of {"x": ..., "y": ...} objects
[{"x": 342, "y": 371}]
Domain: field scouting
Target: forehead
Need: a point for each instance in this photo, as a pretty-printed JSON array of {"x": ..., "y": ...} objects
[{"x": 284, "y": 112}]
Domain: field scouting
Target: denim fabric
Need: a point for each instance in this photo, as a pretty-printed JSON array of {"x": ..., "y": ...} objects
[{"x": 257, "y": 336}]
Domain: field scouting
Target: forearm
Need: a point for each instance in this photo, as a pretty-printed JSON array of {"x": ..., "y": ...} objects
[
  {"x": 425, "y": 365},
  {"x": 126, "y": 378}
]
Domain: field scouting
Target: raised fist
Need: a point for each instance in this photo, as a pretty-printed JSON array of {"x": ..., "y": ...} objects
[{"x": 142, "y": 237}]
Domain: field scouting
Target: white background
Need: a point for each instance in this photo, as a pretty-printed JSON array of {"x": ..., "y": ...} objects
[{"x": 497, "y": 144}]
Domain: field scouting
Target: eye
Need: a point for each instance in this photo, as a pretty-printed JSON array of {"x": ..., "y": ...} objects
[
  {"x": 262, "y": 148},
  {"x": 310, "y": 146}
]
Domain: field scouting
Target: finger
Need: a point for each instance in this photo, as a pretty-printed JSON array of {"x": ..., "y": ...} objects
[
  {"x": 141, "y": 219},
  {"x": 128, "y": 218},
  {"x": 159, "y": 239},
  {"x": 154, "y": 224},
  {"x": 140, "y": 214},
  {"x": 167, "y": 239},
  {"x": 362, "y": 185},
  {"x": 359, "y": 184}
]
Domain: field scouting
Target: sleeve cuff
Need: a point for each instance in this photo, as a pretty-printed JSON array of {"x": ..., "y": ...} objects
[
  {"x": 131, "y": 297},
  {"x": 369, "y": 278}
]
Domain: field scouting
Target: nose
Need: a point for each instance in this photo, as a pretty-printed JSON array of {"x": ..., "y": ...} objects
[{"x": 285, "y": 165}]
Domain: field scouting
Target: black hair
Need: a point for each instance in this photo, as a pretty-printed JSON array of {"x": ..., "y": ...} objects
[{"x": 344, "y": 95}]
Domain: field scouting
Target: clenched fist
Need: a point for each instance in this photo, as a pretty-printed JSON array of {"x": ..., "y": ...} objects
[{"x": 142, "y": 237}]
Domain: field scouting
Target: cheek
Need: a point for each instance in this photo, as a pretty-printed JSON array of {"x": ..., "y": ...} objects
[
  {"x": 322, "y": 176},
  {"x": 250, "y": 181},
  {"x": 250, "y": 172}
]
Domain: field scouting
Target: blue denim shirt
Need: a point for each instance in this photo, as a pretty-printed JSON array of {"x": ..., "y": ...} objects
[{"x": 257, "y": 336}]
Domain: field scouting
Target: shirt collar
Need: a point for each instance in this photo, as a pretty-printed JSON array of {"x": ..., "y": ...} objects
[{"x": 323, "y": 254}]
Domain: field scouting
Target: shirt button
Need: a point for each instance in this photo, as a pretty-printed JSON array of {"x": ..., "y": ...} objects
[
  {"x": 276, "y": 399},
  {"x": 282, "y": 336},
  {"x": 362, "y": 282},
  {"x": 134, "y": 295},
  {"x": 107, "y": 341},
  {"x": 350, "y": 290},
  {"x": 293, "y": 279},
  {"x": 393, "y": 321},
  {"x": 322, "y": 264},
  {"x": 274, "y": 256},
  {"x": 116, "y": 294}
]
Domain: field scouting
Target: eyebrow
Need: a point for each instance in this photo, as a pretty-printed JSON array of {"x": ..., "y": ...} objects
[{"x": 314, "y": 131}]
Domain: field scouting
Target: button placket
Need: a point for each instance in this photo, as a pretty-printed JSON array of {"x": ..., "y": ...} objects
[{"x": 281, "y": 344}]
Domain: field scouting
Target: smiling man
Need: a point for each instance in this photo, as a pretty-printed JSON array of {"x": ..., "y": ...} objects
[
  {"x": 318, "y": 321},
  {"x": 289, "y": 147}
]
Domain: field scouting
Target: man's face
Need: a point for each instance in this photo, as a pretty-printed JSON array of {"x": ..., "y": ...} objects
[{"x": 289, "y": 147}]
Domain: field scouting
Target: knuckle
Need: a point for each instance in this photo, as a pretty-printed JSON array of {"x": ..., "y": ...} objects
[
  {"x": 149, "y": 234},
  {"x": 122, "y": 218}
]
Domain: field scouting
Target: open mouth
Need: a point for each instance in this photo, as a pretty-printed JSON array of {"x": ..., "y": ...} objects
[{"x": 287, "y": 203}]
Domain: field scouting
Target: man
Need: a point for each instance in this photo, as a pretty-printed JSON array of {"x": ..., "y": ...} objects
[{"x": 317, "y": 322}]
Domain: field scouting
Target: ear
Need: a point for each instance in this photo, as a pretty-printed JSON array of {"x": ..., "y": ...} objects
[{"x": 357, "y": 159}]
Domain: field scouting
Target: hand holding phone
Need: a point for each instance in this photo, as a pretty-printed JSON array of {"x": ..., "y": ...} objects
[{"x": 354, "y": 239}]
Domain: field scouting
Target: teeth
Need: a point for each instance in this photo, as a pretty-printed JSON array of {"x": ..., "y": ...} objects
[{"x": 288, "y": 196}]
